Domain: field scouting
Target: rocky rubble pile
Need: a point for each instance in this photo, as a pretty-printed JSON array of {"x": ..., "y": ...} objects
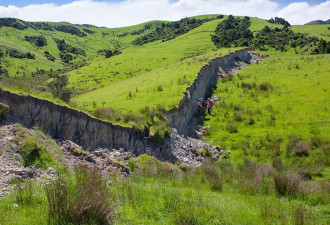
[
  {"x": 193, "y": 151},
  {"x": 110, "y": 162},
  {"x": 11, "y": 168}
]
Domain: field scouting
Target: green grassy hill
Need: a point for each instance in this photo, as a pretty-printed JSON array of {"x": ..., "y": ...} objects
[
  {"x": 320, "y": 31},
  {"x": 315, "y": 22},
  {"x": 271, "y": 102}
]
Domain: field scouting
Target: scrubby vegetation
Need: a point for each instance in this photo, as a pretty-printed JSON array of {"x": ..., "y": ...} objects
[
  {"x": 13, "y": 53},
  {"x": 280, "y": 21},
  {"x": 168, "y": 31},
  {"x": 37, "y": 40},
  {"x": 12, "y": 22},
  {"x": 35, "y": 154},
  {"x": 163, "y": 193},
  {"x": 64, "y": 48},
  {"x": 151, "y": 119},
  {"x": 70, "y": 29},
  {"x": 233, "y": 31},
  {"x": 58, "y": 87},
  {"x": 109, "y": 53}
]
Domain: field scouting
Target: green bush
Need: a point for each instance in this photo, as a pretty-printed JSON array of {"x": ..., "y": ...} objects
[
  {"x": 132, "y": 164},
  {"x": 231, "y": 128},
  {"x": 35, "y": 154},
  {"x": 265, "y": 86},
  {"x": 206, "y": 152}
]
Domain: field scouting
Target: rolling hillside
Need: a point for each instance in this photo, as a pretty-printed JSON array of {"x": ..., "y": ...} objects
[{"x": 132, "y": 76}]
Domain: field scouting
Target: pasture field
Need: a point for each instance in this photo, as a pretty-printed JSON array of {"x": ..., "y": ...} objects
[
  {"x": 320, "y": 31},
  {"x": 272, "y": 104}
]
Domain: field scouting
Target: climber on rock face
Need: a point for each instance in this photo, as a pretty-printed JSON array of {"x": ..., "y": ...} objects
[
  {"x": 200, "y": 102},
  {"x": 209, "y": 105}
]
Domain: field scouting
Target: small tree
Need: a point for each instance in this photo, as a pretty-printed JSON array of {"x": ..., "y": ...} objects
[{"x": 58, "y": 88}]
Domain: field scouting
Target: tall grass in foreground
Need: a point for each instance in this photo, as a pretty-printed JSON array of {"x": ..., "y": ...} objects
[
  {"x": 165, "y": 193},
  {"x": 83, "y": 200}
]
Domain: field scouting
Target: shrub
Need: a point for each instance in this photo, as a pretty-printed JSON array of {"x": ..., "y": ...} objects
[
  {"x": 132, "y": 164},
  {"x": 301, "y": 149},
  {"x": 3, "y": 112},
  {"x": 211, "y": 172},
  {"x": 104, "y": 113},
  {"x": 35, "y": 154},
  {"x": 293, "y": 140},
  {"x": 238, "y": 115},
  {"x": 206, "y": 152},
  {"x": 277, "y": 164},
  {"x": 303, "y": 215},
  {"x": 316, "y": 141},
  {"x": 160, "y": 88},
  {"x": 231, "y": 128},
  {"x": 83, "y": 200},
  {"x": 248, "y": 85},
  {"x": 265, "y": 86},
  {"x": 251, "y": 121},
  {"x": 250, "y": 176},
  {"x": 286, "y": 184}
]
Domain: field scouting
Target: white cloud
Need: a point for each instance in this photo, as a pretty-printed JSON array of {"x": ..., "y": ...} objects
[{"x": 131, "y": 12}]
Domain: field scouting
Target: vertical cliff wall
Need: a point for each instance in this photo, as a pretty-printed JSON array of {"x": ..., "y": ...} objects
[
  {"x": 181, "y": 117},
  {"x": 64, "y": 123}
]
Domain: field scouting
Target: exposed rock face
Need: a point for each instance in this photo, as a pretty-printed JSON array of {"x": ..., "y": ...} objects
[
  {"x": 182, "y": 117},
  {"x": 64, "y": 123},
  {"x": 61, "y": 122}
]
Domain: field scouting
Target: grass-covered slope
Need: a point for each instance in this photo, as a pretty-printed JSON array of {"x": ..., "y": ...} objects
[
  {"x": 156, "y": 73},
  {"x": 273, "y": 108},
  {"x": 89, "y": 38},
  {"x": 320, "y": 31}
]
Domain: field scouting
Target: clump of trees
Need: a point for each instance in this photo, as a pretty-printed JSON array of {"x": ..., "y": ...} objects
[
  {"x": 13, "y": 53},
  {"x": 39, "y": 41},
  {"x": 88, "y": 31},
  {"x": 58, "y": 87},
  {"x": 70, "y": 29},
  {"x": 15, "y": 23},
  {"x": 66, "y": 49},
  {"x": 168, "y": 31},
  {"x": 43, "y": 26},
  {"x": 109, "y": 53},
  {"x": 49, "y": 56},
  {"x": 138, "y": 32},
  {"x": 323, "y": 47},
  {"x": 233, "y": 31},
  {"x": 279, "y": 21}
]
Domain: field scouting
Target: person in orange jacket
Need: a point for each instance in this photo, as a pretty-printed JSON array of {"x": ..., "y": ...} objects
[{"x": 200, "y": 102}]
